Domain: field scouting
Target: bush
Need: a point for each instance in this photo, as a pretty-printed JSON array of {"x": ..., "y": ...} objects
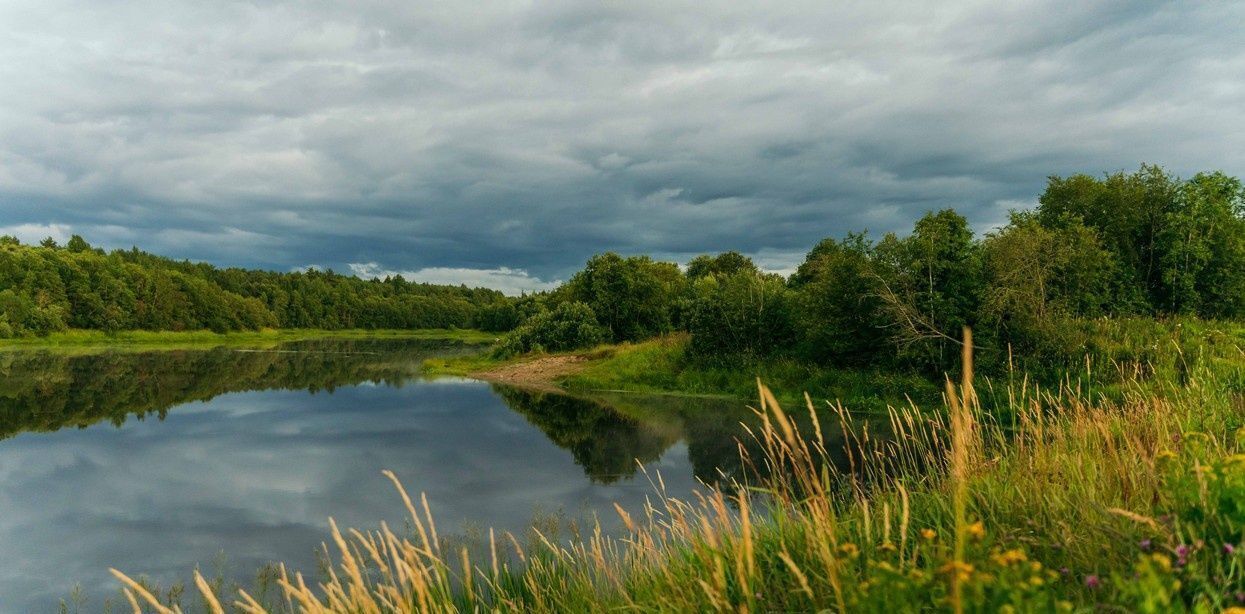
[
  {"x": 745, "y": 316},
  {"x": 570, "y": 326}
]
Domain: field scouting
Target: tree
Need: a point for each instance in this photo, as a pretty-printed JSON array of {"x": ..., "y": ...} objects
[
  {"x": 742, "y": 316},
  {"x": 725, "y": 263},
  {"x": 1036, "y": 277},
  {"x": 77, "y": 244},
  {"x": 839, "y": 306},
  {"x": 632, "y": 297},
  {"x": 1202, "y": 248},
  {"x": 569, "y": 326},
  {"x": 929, "y": 285},
  {"x": 1130, "y": 211}
]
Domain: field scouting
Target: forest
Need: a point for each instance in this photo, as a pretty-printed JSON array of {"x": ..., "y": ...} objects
[
  {"x": 49, "y": 288},
  {"x": 1143, "y": 244}
]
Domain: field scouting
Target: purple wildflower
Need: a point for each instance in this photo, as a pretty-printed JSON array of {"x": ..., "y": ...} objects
[
  {"x": 1240, "y": 597},
  {"x": 1092, "y": 581},
  {"x": 1145, "y": 544},
  {"x": 1229, "y": 549}
]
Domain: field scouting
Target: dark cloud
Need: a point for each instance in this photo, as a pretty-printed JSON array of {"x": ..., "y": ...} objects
[{"x": 515, "y": 140}]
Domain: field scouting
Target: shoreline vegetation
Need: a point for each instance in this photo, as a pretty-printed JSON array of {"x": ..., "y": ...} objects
[
  {"x": 662, "y": 367},
  {"x": 141, "y": 339}
]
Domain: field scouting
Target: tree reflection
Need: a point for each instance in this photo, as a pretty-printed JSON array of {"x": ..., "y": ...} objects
[
  {"x": 46, "y": 390},
  {"x": 604, "y": 442}
]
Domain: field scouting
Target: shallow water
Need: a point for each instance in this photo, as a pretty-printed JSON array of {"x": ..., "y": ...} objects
[{"x": 158, "y": 462}]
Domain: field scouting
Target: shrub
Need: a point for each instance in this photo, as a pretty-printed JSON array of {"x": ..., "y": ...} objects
[
  {"x": 570, "y": 326},
  {"x": 746, "y": 315}
]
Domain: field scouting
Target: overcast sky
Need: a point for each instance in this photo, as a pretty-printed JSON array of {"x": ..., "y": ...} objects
[{"x": 502, "y": 143}]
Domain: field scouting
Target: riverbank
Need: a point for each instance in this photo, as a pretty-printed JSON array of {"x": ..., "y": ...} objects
[
  {"x": 662, "y": 367},
  {"x": 203, "y": 338}
]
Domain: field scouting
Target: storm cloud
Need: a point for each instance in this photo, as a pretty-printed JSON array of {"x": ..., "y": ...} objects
[{"x": 508, "y": 141}]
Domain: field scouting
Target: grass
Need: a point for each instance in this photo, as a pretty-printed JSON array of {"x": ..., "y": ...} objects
[
  {"x": 661, "y": 367},
  {"x": 1077, "y": 502},
  {"x": 205, "y": 338}
]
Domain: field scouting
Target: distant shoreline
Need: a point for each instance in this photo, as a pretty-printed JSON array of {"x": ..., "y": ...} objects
[{"x": 205, "y": 338}]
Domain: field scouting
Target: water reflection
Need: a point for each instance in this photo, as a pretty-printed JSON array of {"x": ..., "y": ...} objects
[
  {"x": 51, "y": 390},
  {"x": 177, "y": 456},
  {"x": 607, "y": 444}
]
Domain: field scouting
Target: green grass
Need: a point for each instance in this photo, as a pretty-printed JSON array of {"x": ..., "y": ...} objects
[
  {"x": 662, "y": 366},
  {"x": 204, "y": 338}
]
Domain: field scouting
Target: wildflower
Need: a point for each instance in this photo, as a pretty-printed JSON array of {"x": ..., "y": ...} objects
[
  {"x": 1092, "y": 581},
  {"x": 1162, "y": 561},
  {"x": 1239, "y": 596},
  {"x": 1011, "y": 556},
  {"x": 1229, "y": 549},
  {"x": 961, "y": 569},
  {"x": 977, "y": 530},
  {"x": 1145, "y": 544},
  {"x": 1182, "y": 554},
  {"x": 928, "y": 534}
]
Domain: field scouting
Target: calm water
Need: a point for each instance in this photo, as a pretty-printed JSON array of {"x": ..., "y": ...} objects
[{"x": 156, "y": 462}]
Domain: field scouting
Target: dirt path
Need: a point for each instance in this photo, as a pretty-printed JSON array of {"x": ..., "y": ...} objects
[{"x": 538, "y": 374}]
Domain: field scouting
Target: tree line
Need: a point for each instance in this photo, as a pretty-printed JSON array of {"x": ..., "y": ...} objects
[
  {"x": 48, "y": 287},
  {"x": 1144, "y": 243}
]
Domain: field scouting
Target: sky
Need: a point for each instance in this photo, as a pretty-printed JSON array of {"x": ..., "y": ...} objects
[{"x": 503, "y": 143}]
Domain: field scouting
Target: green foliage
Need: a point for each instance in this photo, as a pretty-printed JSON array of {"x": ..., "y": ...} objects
[
  {"x": 50, "y": 288},
  {"x": 1181, "y": 244},
  {"x": 1137, "y": 244},
  {"x": 930, "y": 287},
  {"x": 725, "y": 263},
  {"x": 633, "y": 298},
  {"x": 840, "y": 312},
  {"x": 742, "y": 315},
  {"x": 1037, "y": 278},
  {"x": 570, "y": 326}
]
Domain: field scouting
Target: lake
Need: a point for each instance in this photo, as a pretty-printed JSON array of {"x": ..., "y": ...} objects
[{"x": 155, "y": 462}]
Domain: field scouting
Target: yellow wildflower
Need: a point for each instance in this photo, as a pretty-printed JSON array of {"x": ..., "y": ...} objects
[
  {"x": 960, "y": 569},
  {"x": 1162, "y": 560},
  {"x": 1009, "y": 557}
]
